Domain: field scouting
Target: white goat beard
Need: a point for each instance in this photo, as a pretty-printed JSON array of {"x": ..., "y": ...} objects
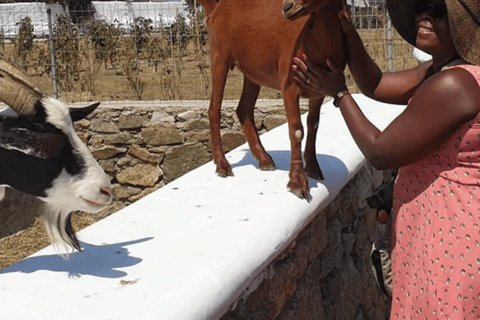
[{"x": 55, "y": 220}]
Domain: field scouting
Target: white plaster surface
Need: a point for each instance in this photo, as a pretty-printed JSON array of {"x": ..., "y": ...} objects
[{"x": 188, "y": 250}]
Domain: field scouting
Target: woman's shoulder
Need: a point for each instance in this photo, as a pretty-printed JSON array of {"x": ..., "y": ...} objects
[
  {"x": 462, "y": 82},
  {"x": 455, "y": 91}
]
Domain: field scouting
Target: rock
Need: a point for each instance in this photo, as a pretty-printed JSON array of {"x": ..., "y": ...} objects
[
  {"x": 118, "y": 138},
  {"x": 331, "y": 256},
  {"x": 197, "y": 124},
  {"x": 124, "y": 161},
  {"x": 145, "y": 175},
  {"x": 145, "y": 192},
  {"x": 130, "y": 121},
  {"x": 84, "y": 137},
  {"x": 104, "y": 126},
  {"x": 188, "y": 115},
  {"x": 181, "y": 159},
  {"x": 157, "y": 135},
  {"x": 198, "y": 136},
  {"x": 160, "y": 117},
  {"x": 231, "y": 140},
  {"x": 123, "y": 192},
  {"x": 82, "y": 124},
  {"x": 107, "y": 152},
  {"x": 107, "y": 165},
  {"x": 273, "y": 121},
  {"x": 143, "y": 154}
]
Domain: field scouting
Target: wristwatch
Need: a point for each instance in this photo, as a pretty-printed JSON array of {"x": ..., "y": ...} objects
[{"x": 339, "y": 95}]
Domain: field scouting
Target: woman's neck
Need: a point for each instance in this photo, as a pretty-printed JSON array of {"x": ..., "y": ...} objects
[{"x": 439, "y": 63}]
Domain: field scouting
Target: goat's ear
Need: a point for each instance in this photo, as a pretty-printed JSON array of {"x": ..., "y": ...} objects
[
  {"x": 43, "y": 145},
  {"x": 80, "y": 113}
]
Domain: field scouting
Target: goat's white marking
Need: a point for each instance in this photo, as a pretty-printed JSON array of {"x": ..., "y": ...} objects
[{"x": 299, "y": 135}]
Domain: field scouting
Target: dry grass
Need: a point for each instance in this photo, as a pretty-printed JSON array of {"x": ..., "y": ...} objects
[{"x": 181, "y": 78}]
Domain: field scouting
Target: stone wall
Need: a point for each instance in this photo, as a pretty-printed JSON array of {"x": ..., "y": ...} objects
[
  {"x": 325, "y": 273},
  {"x": 144, "y": 146}
]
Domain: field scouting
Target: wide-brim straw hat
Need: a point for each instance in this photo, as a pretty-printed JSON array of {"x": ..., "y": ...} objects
[{"x": 463, "y": 18}]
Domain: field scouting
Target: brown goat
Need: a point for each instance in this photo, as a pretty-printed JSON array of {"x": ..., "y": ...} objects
[{"x": 256, "y": 37}]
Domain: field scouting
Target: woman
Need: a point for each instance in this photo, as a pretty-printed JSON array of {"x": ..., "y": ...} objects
[{"x": 436, "y": 144}]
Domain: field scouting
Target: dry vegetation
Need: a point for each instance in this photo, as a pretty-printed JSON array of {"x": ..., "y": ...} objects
[
  {"x": 159, "y": 73},
  {"x": 105, "y": 64}
]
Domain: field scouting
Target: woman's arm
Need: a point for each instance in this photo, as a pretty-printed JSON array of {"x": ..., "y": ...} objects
[
  {"x": 395, "y": 87},
  {"x": 437, "y": 108}
]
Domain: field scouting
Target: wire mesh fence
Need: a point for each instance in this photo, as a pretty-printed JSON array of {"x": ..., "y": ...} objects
[{"x": 124, "y": 50}]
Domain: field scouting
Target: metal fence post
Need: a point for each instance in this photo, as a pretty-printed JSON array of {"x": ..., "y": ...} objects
[
  {"x": 389, "y": 43},
  {"x": 52, "y": 53}
]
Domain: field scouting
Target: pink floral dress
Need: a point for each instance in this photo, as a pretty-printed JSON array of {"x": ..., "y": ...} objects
[{"x": 436, "y": 243}]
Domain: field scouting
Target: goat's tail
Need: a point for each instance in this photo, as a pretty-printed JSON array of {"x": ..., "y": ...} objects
[
  {"x": 208, "y": 5},
  {"x": 60, "y": 230}
]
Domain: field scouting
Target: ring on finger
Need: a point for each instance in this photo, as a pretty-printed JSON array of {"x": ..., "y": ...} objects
[{"x": 308, "y": 81}]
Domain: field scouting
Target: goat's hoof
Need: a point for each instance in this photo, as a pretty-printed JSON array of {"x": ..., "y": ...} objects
[
  {"x": 268, "y": 167},
  {"x": 301, "y": 192},
  {"x": 314, "y": 173},
  {"x": 224, "y": 173}
]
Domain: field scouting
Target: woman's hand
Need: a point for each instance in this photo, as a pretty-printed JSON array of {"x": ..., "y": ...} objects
[{"x": 323, "y": 81}]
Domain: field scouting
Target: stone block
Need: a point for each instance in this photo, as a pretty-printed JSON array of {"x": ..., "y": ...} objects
[
  {"x": 104, "y": 126},
  {"x": 196, "y": 124},
  {"x": 188, "y": 115},
  {"x": 130, "y": 121},
  {"x": 145, "y": 175},
  {"x": 161, "y": 117},
  {"x": 118, "y": 138},
  {"x": 124, "y": 192},
  {"x": 181, "y": 159},
  {"x": 157, "y": 135},
  {"x": 143, "y": 154},
  {"x": 273, "y": 121},
  {"x": 107, "y": 152},
  {"x": 231, "y": 140}
]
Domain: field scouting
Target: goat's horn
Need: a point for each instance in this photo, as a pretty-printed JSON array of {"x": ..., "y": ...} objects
[{"x": 17, "y": 92}]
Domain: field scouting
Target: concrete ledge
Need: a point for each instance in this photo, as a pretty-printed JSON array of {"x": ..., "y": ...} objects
[{"x": 188, "y": 250}]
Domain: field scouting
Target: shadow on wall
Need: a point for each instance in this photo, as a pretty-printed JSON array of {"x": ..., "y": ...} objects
[
  {"x": 331, "y": 166},
  {"x": 98, "y": 261}
]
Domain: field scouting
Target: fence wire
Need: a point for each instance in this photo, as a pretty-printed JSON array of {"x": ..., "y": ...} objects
[{"x": 145, "y": 50}]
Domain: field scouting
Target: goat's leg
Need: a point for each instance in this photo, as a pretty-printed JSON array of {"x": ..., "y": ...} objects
[
  {"x": 312, "y": 167},
  {"x": 245, "y": 113},
  {"x": 298, "y": 183},
  {"x": 219, "y": 77}
]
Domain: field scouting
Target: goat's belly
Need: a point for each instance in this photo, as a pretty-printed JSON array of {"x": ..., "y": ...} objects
[{"x": 261, "y": 76}]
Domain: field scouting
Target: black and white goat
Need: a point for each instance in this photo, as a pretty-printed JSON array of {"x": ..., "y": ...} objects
[{"x": 41, "y": 154}]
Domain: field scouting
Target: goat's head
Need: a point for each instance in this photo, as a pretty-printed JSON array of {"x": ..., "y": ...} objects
[
  {"x": 41, "y": 154},
  {"x": 294, "y": 9}
]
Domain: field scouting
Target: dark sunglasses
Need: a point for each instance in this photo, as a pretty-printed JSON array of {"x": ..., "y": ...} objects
[{"x": 437, "y": 10}]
